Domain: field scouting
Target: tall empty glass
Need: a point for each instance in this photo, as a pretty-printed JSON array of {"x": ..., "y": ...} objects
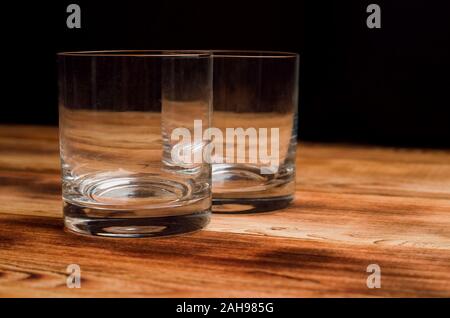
[
  {"x": 255, "y": 109},
  {"x": 118, "y": 110}
]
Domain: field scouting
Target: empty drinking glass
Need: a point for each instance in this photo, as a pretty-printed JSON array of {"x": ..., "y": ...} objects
[
  {"x": 255, "y": 112},
  {"x": 118, "y": 110}
]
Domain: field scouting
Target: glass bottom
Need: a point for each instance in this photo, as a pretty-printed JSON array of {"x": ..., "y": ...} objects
[
  {"x": 243, "y": 189},
  {"x": 122, "y": 204},
  {"x": 245, "y": 205},
  {"x": 75, "y": 220}
]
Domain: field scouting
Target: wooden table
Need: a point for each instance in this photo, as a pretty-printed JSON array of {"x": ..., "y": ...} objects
[{"x": 354, "y": 206}]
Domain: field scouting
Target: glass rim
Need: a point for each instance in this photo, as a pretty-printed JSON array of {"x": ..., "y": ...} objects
[
  {"x": 253, "y": 54},
  {"x": 183, "y": 53},
  {"x": 138, "y": 53}
]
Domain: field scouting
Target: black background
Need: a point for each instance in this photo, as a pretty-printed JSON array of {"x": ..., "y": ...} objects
[{"x": 384, "y": 86}]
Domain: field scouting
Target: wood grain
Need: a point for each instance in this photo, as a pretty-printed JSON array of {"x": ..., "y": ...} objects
[{"x": 354, "y": 206}]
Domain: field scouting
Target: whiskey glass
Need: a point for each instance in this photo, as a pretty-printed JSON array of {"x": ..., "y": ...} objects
[
  {"x": 117, "y": 112},
  {"x": 255, "y": 112}
]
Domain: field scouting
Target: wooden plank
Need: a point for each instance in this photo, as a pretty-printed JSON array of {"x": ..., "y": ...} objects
[
  {"x": 354, "y": 206},
  {"x": 352, "y": 219},
  {"x": 35, "y": 252}
]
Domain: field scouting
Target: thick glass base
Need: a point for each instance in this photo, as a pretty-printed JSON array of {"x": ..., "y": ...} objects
[
  {"x": 76, "y": 220},
  {"x": 244, "y": 189},
  {"x": 254, "y": 205}
]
